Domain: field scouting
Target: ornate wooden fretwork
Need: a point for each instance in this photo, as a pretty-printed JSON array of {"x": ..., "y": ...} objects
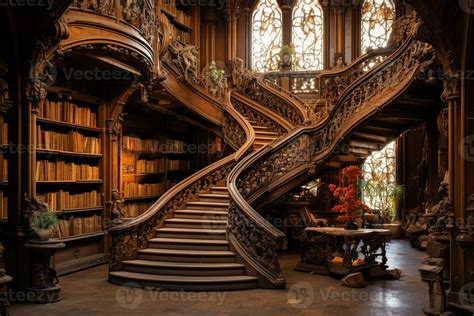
[{"x": 261, "y": 119}]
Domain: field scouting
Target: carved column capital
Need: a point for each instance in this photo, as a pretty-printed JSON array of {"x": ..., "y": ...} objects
[{"x": 451, "y": 88}]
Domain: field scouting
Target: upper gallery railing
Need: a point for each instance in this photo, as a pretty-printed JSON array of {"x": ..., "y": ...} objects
[
  {"x": 301, "y": 149},
  {"x": 139, "y": 14}
]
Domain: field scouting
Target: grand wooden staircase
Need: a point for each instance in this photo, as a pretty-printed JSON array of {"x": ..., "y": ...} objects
[{"x": 206, "y": 233}]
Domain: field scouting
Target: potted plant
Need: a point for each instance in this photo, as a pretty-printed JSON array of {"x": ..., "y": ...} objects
[
  {"x": 286, "y": 54},
  {"x": 347, "y": 195},
  {"x": 43, "y": 223},
  {"x": 385, "y": 196}
]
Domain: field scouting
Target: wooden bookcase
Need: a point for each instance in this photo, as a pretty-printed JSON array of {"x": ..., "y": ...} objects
[
  {"x": 3, "y": 166},
  {"x": 150, "y": 166},
  {"x": 69, "y": 175},
  {"x": 180, "y": 20}
]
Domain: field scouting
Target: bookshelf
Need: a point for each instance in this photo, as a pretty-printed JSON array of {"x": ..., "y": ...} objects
[
  {"x": 69, "y": 175},
  {"x": 150, "y": 166},
  {"x": 180, "y": 21},
  {"x": 4, "y": 166}
]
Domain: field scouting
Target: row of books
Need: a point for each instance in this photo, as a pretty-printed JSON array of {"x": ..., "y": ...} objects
[
  {"x": 63, "y": 200},
  {"x": 151, "y": 166},
  {"x": 3, "y": 205},
  {"x": 135, "y": 143},
  {"x": 74, "y": 226},
  {"x": 5, "y": 170},
  {"x": 69, "y": 112},
  {"x": 136, "y": 208},
  {"x": 63, "y": 171},
  {"x": 5, "y": 133},
  {"x": 71, "y": 141},
  {"x": 176, "y": 165},
  {"x": 132, "y": 189},
  {"x": 153, "y": 145}
]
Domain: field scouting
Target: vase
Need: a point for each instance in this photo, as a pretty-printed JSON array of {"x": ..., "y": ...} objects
[
  {"x": 351, "y": 225},
  {"x": 44, "y": 234}
]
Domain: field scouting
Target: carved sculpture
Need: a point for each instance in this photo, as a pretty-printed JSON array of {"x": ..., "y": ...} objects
[
  {"x": 185, "y": 57},
  {"x": 117, "y": 211}
]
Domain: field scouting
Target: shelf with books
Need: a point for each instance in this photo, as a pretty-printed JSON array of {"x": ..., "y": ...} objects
[
  {"x": 69, "y": 174},
  {"x": 4, "y": 140}
]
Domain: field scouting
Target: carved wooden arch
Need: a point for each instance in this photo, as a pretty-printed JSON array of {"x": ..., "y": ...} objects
[{"x": 115, "y": 114}]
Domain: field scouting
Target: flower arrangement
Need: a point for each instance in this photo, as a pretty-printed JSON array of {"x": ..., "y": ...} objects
[{"x": 347, "y": 194}]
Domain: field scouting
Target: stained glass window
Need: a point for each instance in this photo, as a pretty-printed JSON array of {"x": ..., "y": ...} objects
[
  {"x": 380, "y": 173},
  {"x": 377, "y": 20},
  {"x": 308, "y": 35},
  {"x": 266, "y": 36}
]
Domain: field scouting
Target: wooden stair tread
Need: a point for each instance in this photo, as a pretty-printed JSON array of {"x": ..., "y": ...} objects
[
  {"x": 180, "y": 252},
  {"x": 184, "y": 265},
  {"x": 182, "y": 279},
  {"x": 203, "y": 203},
  {"x": 196, "y": 221},
  {"x": 197, "y": 212},
  {"x": 191, "y": 230},
  {"x": 214, "y": 195},
  {"x": 189, "y": 241}
]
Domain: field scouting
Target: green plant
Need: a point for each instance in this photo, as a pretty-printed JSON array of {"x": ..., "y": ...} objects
[
  {"x": 215, "y": 73},
  {"x": 287, "y": 50},
  {"x": 383, "y": 196},
  {"x": 44, "y": 220}
]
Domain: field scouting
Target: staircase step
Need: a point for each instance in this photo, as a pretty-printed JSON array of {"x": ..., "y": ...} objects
[
  {"x": 183, "y": 268},
  {"x": 207, "y": 223},
  {"x": 266, "y": 133},
  {"x": 219, "y": 190},
  {"x": 212, "y": 206},
  {"x": 188, "y": 233},
  {"x": 190, "y": 283},
  {"x": 181, "y": 255},
  {"x": 188, "y": 244},
  {"x": 201, "y": 214},
  {"x": 268, "y": 139},
  {"x": 258, "y": 128},
  {"x": 214, "y": 197}
]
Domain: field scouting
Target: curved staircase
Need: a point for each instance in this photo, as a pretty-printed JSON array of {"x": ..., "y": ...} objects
[{"x": 206, "y": 233}]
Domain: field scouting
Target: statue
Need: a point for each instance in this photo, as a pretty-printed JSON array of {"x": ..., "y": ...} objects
[
  {"x": 438, "y": 214},
  {"x": 185, "y": 57},
  {"x": 116, "y": 208}
]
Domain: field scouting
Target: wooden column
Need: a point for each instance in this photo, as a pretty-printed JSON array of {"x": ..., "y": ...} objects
[
  {"x": 356, "y": 13},
  {"x": 340, "y": 33},
  {"x": 208, "y": 39},
  {"x": 327, "y": 33},
  {"x": 248, "y": 37}
]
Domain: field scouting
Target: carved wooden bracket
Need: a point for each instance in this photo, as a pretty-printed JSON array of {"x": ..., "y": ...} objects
[{"x": 115, "y": 116}]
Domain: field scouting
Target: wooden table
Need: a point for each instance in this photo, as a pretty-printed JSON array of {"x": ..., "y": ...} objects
[{"x": 320, "y": 245}]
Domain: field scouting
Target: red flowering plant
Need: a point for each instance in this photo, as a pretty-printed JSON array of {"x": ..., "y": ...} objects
[{"x": 347, "y": 194}]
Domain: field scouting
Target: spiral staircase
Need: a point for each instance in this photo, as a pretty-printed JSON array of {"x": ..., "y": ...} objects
[{"x": 206, "y": 233}]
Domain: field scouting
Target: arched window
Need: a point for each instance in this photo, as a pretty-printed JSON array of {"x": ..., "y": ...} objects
[
  {"x": 308, "y": 35},
  {"x": 377, "y": 20},
  {"x": 266, "y": 36}
]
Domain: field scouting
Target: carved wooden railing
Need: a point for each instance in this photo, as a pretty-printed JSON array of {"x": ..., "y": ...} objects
[
  {"x": 133, "y": 235},
  {"x": 256, "y": 239},
  {"x": 332, "y": 83},
  {"x": 138, "y": 14},
  {"x": 300, "y": 83},
  {"x": 274, "y": 98}
]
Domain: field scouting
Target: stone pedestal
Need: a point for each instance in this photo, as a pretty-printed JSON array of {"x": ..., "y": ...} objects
[
  {"x": 432, "y": 273},
  {"x": 4, "y": 279},
  {"x": 43, "y": 286}
]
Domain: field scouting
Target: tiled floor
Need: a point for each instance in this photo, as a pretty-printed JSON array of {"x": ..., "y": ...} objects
[{"x": 89, "y": 293}]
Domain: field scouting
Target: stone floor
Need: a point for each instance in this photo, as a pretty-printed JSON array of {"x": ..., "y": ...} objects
[{"x": 89, "y": 293}]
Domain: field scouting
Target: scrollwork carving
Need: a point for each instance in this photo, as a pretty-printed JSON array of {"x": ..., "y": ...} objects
[{"x": 256, "y": 116}]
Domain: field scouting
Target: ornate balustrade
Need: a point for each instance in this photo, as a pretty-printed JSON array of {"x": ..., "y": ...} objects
[
  {"x": 139, "y": 14},
  {"x": 131, "y": 236},
  {"x": 306, "y": 147},
  {"x": 299, "y": 83},
  {"x": 276, "y": 99},
  {"x": 333, "y": 83}
]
